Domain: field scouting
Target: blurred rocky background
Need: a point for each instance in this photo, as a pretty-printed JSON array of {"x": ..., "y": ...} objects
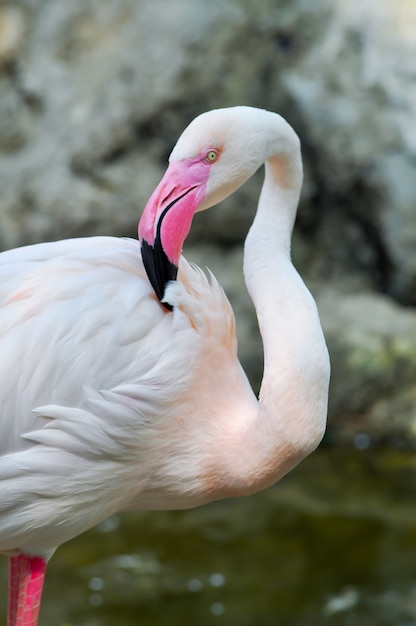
[{"x": 94, "y": 93}]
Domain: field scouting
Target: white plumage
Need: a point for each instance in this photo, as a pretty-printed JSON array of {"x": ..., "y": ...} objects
[{"x": 91, "y": 369}]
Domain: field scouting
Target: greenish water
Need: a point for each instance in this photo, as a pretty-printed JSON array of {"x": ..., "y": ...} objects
[{"x": 333, "y": 543}]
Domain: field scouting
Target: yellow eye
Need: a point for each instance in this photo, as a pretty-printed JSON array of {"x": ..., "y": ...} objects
[{"x": 211, "y": 156}]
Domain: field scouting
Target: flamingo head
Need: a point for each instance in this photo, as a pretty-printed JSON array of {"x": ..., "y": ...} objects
[
  {"x": 215, "y": 154},
  {"x": 167, "y": 217}
]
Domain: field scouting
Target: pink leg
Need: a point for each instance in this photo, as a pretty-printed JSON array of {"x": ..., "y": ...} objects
[{"x": 26, "y": 576}]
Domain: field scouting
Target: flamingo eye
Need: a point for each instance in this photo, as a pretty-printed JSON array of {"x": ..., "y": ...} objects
[{"x": 211, "y": 156}]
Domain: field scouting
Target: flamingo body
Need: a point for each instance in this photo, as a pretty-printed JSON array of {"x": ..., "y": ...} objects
[
  {"x": 105, "y": 390},
  {"x": 121, "y": 386}
]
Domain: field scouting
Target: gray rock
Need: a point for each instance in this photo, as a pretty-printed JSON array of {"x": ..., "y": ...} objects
[
  {"x": 355, "y": 89},
  {"x": 372, "y": 342}
]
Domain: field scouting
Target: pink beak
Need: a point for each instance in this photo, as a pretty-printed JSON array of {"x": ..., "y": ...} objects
[{"x": 167, "y": 218}]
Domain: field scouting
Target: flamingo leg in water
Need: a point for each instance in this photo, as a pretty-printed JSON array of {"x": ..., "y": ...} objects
[{"x": 26, "y": 576}]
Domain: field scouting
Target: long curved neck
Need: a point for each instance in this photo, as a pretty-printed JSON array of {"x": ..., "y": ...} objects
[{"x": 293, "y": 397}]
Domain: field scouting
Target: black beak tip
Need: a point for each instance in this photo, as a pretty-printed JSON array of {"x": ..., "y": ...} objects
[
  {"x": 167, "y": 306},
  {"x": 158, "y": 268}
]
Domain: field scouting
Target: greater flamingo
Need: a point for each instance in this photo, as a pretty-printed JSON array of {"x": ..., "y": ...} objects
[{"x": 113, "y": 401}]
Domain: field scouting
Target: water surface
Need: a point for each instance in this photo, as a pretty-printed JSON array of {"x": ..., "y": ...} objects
[{"x": 333, "y": 543}]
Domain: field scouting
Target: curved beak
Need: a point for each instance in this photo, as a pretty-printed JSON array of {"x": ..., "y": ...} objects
[{"x": 166, "y": 221}]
